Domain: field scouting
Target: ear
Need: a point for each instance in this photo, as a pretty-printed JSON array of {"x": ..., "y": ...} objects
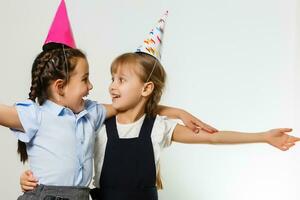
[
  {"x": 148, "y": 89},
  {"x": 59, "y": 87}
]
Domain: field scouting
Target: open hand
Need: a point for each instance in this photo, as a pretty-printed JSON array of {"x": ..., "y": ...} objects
[{"x": 279, "y": 139}]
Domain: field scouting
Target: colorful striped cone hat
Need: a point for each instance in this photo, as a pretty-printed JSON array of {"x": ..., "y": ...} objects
[
  {"x": 60, "y": 32},
  {"x": 153, "y": 43}
]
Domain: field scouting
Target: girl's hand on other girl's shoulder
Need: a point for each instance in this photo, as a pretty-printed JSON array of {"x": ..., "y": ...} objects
[{"x": 27, "y": 181}]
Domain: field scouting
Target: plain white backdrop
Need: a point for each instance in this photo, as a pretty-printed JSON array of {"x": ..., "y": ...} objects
[{"x": 232, "y": 63}]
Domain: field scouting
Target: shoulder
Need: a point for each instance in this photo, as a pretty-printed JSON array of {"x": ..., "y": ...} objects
[
  {"x": 163, "y": 125},
  {"x": 89, "y": 104},
  {"x": 93, "y": 106},
  {"x": 164, "y": 121},
  {"x": 27, "y": 103},
  {"x": 163, "y": 129},
  {"x": 28, "y": 107}
]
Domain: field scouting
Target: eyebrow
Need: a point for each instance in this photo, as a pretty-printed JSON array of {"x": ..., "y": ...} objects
[{"x": 86, "y": 74}]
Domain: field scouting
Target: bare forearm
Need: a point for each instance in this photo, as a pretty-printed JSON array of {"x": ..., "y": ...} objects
[
  {"x": 9, "y": 117},
  {"x": 110, "y": 111},
  {"x": 184, "y": 135},
  {"x": 232, "y": 137}
]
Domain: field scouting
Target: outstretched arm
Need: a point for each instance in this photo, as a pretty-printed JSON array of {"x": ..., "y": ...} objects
[
  {"x": 9, "y": 117},
  {"x": 188, "y": 119},
  {"x": 275, "y": 137}
]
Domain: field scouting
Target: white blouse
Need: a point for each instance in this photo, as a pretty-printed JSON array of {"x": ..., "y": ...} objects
[{"x": 161, "y": 137}]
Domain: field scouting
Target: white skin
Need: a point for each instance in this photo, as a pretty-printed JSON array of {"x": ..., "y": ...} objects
[{"x": 129, "y": 96}]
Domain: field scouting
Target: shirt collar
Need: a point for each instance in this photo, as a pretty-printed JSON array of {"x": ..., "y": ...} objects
[
  {"x": 53, "y": 107},
  {"x": 59, "y": 110}
]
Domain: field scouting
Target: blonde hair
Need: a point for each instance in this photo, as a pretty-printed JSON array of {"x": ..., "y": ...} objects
[{"x": 150, "y": 70}]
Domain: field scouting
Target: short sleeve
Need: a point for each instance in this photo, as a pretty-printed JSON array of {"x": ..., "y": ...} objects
[
  {"x": 97, "y": 113},
  {"x": 30, "y": 116},
  {"x": 164, "y": 129}
]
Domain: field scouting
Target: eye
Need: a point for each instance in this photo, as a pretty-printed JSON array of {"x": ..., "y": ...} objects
[
  {"x": 85, "y": 79},
  {"x": 112, "y": 79},
  {"x": 122, "y": 80}
]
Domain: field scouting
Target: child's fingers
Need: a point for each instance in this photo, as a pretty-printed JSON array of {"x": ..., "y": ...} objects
[
  {"x": 204, "y": 126},
  {"x": 293, "y": 139},
  {"x": 30, "y": 179},
  {"x": 286, "y": 146},
  {"x": 27, "y": 188},
  {"x": 190, "y": 125},
  {"x": 285, "y": 129},
  {"x": 28, "y": 172},
  {"x": 33, "y": 179},
  {"x": 208, "y": 129},
  {"x": 289, "y": 145},
  {"x": 283, "y": 148},
  {"x": 29, "y": 183},
  {"x": 28, "y": 176}
]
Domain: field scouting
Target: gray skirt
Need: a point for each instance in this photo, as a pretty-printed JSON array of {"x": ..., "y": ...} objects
[{"x": 44, "y": 192}]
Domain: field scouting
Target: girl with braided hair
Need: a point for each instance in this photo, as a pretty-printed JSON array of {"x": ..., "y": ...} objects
[
  {"x": 129, "y": 146},
  {"x": 57, "y": 133}
]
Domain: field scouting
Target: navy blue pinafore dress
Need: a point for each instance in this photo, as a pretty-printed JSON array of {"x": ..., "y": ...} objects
[{"x": 128, "y": 171}]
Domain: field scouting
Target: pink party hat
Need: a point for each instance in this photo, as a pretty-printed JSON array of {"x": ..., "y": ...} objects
[
  {"x": 60, "y": 31},
  {"x": 153, "y": 43}
]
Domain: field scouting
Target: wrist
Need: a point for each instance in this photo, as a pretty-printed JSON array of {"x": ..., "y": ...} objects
[{"x": 265, "y": 136}]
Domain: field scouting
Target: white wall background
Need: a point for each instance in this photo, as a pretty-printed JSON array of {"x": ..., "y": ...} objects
[{"x": 233, "y": 63}]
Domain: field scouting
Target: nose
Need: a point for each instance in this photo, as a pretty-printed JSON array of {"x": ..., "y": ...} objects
[
  {"x": 90, "y": 86},
  {"x": 112, "y": 85}
]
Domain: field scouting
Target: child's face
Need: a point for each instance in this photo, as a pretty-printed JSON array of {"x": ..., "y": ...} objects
[
  {"x": 126, "y": 88},
  {"x": 78, "y": 87}
]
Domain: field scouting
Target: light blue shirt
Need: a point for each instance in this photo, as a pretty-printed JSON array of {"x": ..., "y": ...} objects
[{"x": 60, "y": 144}]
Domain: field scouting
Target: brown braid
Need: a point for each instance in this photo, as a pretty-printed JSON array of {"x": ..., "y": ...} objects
[{"x": 49, "y": 66}]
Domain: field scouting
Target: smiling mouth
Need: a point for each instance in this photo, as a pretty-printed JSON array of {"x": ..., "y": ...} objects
[
  {"x": 115, "y": 96},
  {"x": 85, "y": 97}
]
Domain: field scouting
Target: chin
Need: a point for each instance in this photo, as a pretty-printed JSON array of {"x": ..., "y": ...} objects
[
  {"x": 117, "y": 107},
  {"x": 78, "y": 109}
]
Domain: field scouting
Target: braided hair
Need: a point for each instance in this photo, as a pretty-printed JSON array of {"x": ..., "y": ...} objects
[{"x": 48, "y": 66}]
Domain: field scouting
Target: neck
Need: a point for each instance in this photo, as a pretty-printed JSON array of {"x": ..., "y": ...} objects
[
  {"x": 54, "y": 100},
  {"x": 131, "y": 115}
]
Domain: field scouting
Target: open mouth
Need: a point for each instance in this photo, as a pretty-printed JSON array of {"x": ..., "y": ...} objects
[
  {"x": 115, "y": 96},
  {"x": 85, "y": 97}
]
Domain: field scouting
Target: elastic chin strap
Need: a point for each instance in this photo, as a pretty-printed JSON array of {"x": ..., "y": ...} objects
[
  {"x": 153, "y": 68},
  {"x": 66, "y": 63}
]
